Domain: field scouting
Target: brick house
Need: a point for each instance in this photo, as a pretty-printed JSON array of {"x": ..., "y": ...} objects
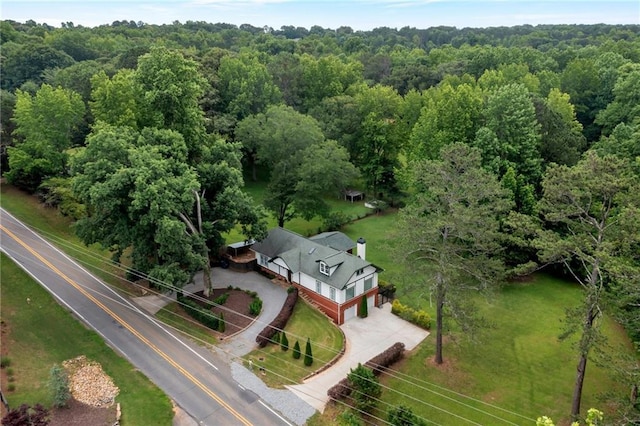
[{"x": 323, "y": 268}]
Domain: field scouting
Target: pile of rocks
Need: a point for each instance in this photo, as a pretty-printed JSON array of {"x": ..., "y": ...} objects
[{"x": 89, "y": 384}]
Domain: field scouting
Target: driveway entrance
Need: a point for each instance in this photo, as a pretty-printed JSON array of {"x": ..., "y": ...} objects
[{"x": 366, "y": 338}]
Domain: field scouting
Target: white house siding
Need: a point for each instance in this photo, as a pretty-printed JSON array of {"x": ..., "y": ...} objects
[{"x": 371, "y": 302}]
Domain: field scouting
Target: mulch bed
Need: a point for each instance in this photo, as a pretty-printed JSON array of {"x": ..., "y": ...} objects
[
  {"x": 235, "y": 309},
  {"x": 79, "y": 414}
]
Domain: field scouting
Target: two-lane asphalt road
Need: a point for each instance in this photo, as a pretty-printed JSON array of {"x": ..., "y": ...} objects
[{"x": 193, "y": 377}]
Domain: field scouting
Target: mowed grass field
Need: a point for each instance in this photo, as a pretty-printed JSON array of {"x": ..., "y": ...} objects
[
  {"x": 42, "y": 333},
  {"x": 516, "y": 371}
]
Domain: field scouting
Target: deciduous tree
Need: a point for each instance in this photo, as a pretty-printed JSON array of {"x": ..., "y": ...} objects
[
  {"x": 366, "y": 387},
  {"x": 44, "y": 126}
]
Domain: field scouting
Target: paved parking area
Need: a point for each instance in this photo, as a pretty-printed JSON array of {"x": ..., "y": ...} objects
[{"x": 366, "y": 338}]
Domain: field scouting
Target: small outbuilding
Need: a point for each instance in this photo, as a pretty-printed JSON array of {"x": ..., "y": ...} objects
[{"x": 353, "y": 195}]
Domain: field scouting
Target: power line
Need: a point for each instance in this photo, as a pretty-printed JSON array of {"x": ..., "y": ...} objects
[{"x": 394, "y": 374}]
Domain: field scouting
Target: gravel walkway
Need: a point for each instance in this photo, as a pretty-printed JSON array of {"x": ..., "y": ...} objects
[{"x": 282, "y": 400}]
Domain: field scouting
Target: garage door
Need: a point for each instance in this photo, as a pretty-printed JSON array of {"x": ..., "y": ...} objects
[{"x": 350, "y": 313}]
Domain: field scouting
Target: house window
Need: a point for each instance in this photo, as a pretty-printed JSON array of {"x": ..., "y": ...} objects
[
  {"x": 368, "y": 283},
  {"x": 263, "y": 260},
  {"x": 318, "y": 287},
  {"x": 351, "y": 292},
  {"x": 359, "y": 271},
  {"x": 324, "y": 268},
  {"x": 332, "y": 293}
]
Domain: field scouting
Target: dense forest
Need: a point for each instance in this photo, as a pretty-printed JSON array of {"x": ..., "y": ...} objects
[{"x": 143, "y": 133}]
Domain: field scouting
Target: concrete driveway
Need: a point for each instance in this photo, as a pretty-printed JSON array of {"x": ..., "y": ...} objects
[
  {"x": 272, "y": 295},
  {"x": 366, "y": 338}
]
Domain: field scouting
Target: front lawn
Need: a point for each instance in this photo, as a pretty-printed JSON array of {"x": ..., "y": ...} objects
[
  {"x": 280, "y": 366},
  {"x": 40, "y": 333}
]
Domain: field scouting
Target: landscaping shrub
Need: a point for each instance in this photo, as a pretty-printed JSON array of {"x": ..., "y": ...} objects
[
  {"x": 284, "y": 342},
  {"x": 308, "y": 356},
  {"x": 366, "y": 387},
  {"x": 340, "y": 391},
  {"x": 221, "y": 300},
  {"x": 279, "y": 321},
  {"x": 26, "y": 415},
  {"x": 363, "y": 309},
  {"x": 418, "y": 317},
  {"x": 255, "y": 307},
  {"x": 403, "y": 416},
  {"x": 5, "y": 361},
  {"x": 59, "y": 386},
  {"x": 296, "y": 350},
  {"x": 221, "y": 323},
  {"x": 203, "y": 316},
  {"x": 349, "y": 418},
  {"x": 379, "y": 363},
  {"x": 335, "y": 220}
]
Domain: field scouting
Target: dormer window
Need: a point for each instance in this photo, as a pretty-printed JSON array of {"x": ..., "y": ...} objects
[{"x": 324, "y": 268}]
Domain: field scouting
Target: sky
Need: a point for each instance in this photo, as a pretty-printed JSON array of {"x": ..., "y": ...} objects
[{"x": 358, "y": 14}]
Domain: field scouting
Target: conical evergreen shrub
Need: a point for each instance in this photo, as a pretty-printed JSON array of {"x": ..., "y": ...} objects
[
  {"x": 296, "y": 350},
  {"x": 308, "y": 356},
  {"x": 221, "y": 323},
  {"x": 363, "y": 308},
  {"x": 284, "y": 342}
]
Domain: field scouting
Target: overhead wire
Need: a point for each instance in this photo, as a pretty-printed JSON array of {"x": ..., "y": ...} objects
[{"x": 392, "y": 373}]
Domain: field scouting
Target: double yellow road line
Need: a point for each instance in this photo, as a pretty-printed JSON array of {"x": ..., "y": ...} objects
[{"x": 126, "y": 325}]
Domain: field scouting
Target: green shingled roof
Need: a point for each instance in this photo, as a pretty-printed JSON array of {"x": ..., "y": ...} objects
[{"x": 304, "y": 255}]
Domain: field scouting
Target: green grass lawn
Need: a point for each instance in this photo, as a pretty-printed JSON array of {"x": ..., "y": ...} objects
[
  {"x": 306, "y": 322},
  {"x": 51, "y": 225},
  {"x": 42, "y": 333},
  {"x": 518, "y": 365},
  {"x": 172, "y": 316},
  {"x": 303, "y": 227}
]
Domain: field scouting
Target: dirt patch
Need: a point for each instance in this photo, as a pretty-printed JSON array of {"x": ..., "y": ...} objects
[
  {"x": 235, "y": 309},
  {"x": 79, "y": 414}
]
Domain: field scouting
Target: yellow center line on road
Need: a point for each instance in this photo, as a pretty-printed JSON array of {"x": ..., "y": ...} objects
[{"x": 166, "y": 357}]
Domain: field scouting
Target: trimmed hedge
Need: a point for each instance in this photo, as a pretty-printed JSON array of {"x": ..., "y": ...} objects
[
  {"x": 195, "y": 311},
  {"x": 378, "y": 364},
  {"x": 420, "y": 318},
  {"x": 340, "y": 391},
  {"x": 381, "y": 362},
  {"x": 280, "y": 321}
]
